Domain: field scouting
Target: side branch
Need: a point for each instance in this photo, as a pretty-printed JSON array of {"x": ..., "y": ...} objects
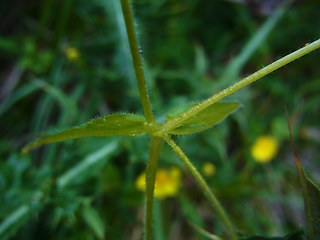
[
  {"x": 205, "y": 188},
  {"x": 173, "y": 123}
]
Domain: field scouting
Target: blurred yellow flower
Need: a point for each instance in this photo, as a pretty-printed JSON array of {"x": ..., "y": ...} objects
[
  {"x": 72, "y": 54},
  {"x": 167, "y": 182},
  {"x": 264, "y": 149},
  {"x": 208, "y": 169}
]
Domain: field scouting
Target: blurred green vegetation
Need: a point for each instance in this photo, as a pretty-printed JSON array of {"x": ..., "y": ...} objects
[{"x": 84, "y": 189}]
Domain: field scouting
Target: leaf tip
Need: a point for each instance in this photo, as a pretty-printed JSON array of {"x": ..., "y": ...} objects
[{"x": 26, "y": 149}]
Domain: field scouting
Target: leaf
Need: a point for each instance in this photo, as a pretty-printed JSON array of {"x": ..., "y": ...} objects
[
  {"x": 86, "y": 167},
  {"x": 93, "y": 219},
  {"x": 111, "y": 125},
  {"x": 203, "y": 120},
  {"x": 311, "y": 195},
  {"x": 291, "y": 236}
]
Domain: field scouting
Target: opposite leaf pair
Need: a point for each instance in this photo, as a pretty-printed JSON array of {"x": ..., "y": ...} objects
[{"x": 132, "y": 124}]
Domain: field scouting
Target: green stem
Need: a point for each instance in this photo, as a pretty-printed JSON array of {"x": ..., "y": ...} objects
[
  {"x": 156, "y": 143},
  {"x": 173, "y": 123},
  {"x": 137, "y": 62},
  {"x": 205, "y": 188},
  {"x": 158, "y": 226}
]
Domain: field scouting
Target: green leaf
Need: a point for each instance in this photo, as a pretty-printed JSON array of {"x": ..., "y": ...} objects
[
  {"x": 311, "y": 195},
  {"x": 93, "y": 219},
  {"x": 203, "y": 120},
  {"x": 298, "y": 235},
  {"x": 111, "y": 125}
]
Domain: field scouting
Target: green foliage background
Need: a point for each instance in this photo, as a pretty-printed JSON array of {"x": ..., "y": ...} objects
[{"x": 187, "y": 45}]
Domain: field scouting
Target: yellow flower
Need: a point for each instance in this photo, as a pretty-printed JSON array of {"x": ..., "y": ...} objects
[
  {"x": 72, "y": 54},
  {"x": 208, "y": 169},
  {"x": 167, "y": 182},
  {"x": 264, "y": 149}
]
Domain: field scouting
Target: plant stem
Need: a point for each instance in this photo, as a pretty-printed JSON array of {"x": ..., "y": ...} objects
[
  {"x": 205, "y": 188},
  {"x": 156, "y": 143},
  {"x": 157, "y": 216},
  {"x": 175, "y": 122},
  {"x": 137, "y": 62}
]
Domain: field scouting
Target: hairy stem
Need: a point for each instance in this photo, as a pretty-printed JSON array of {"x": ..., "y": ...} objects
[
  {"x": 175, "y": 122},
  {"x": 205, "y": 188},
  {"x": 156, "y": 143},
  {"x": 137, "y": 62}
]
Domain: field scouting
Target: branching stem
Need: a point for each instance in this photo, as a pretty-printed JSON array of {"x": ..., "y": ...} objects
[
  {"x": 137, "y": 62},
  {"x": 175, "y": 122},
  {"x": 205, "y": 188}
]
